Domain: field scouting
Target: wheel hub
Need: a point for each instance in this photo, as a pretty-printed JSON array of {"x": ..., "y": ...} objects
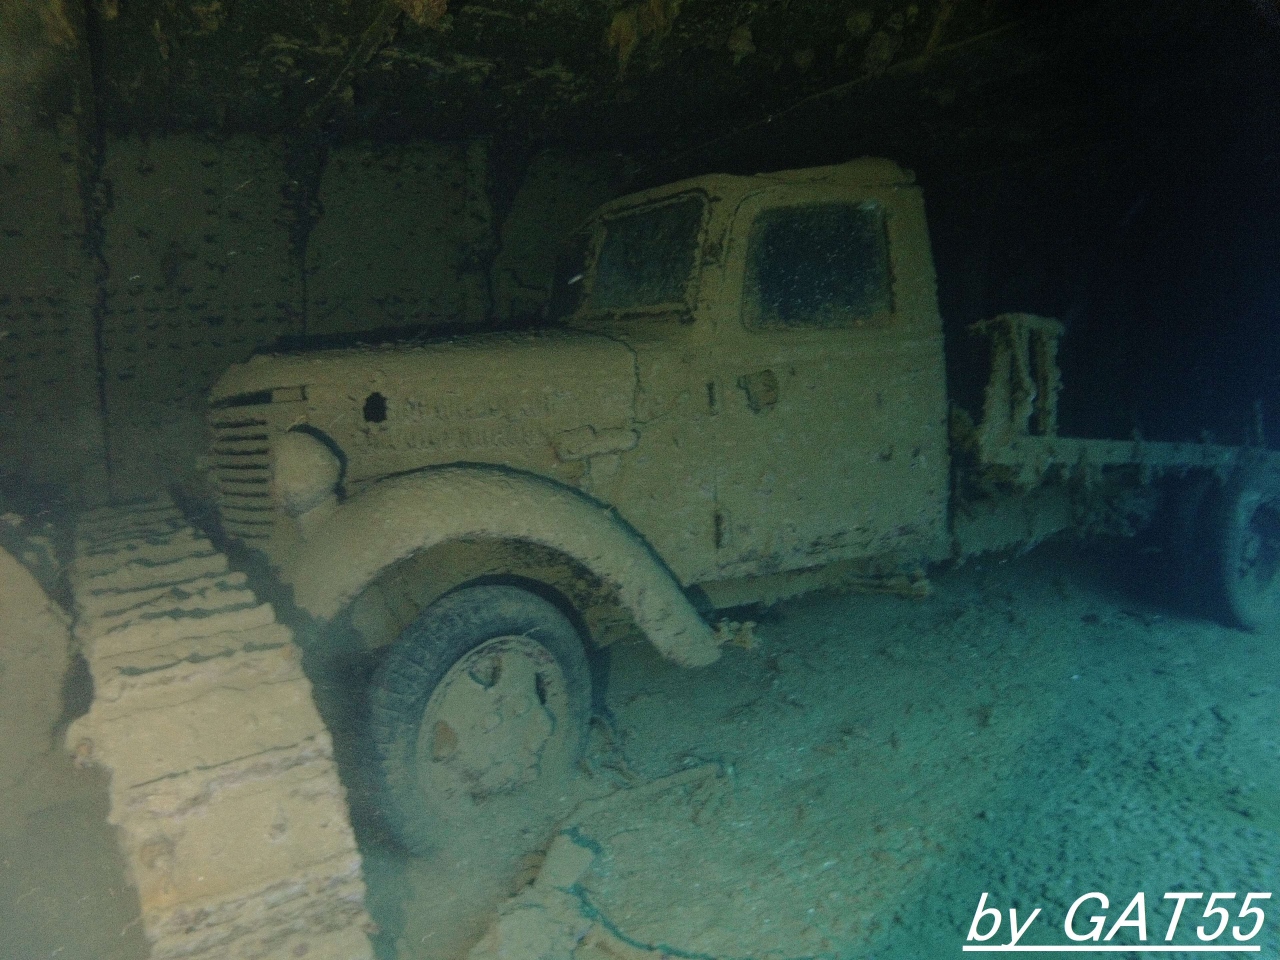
[{"x": 491, "y": 721}]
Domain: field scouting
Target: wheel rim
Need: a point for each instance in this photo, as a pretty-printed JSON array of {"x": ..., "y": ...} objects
[
  {"x": 1258, "y": 560},
  {"x": 497, "y": 721}
]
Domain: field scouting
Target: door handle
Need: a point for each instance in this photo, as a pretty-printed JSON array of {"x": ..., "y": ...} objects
[{"x": 761, "y": 389}]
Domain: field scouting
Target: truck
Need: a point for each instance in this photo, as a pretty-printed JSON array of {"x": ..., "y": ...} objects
[{"x": 739, "y": 395}]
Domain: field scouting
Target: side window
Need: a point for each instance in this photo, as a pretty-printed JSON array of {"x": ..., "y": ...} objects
[
  {"x": 648, "y": 256},
  {"x": 825, "y": 265}
]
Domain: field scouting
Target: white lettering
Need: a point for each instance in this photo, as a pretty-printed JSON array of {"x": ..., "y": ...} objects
[
  {"x": 1248, "y": 899},
  {"x": 1182, "y": 899},
  {"x": 984, "y": 910},
  {"x": 1098, "y": 919},
  {"x": 1139, "y": 901},
  {"x": 1016, "y": 931},
  {"x": 1224, "y": 916}
]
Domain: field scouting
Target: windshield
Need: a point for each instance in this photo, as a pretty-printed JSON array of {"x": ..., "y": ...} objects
[{"x": 648, "y": 256}]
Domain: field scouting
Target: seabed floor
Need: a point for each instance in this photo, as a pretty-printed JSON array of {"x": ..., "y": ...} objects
[{"x": 848, "y": 781}]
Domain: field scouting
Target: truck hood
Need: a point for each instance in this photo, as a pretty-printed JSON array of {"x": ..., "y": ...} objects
[{"x": 544, "y": 401}]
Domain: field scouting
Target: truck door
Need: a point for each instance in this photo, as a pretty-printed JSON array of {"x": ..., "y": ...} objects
[
  {"x": 640, "y": 290},
  {"x": 831, "y": 437}
]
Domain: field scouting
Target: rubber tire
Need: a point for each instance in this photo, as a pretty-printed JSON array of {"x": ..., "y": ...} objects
[
  {"x": 443, "y": 634},
  {"x": 1247, "y": 520}
]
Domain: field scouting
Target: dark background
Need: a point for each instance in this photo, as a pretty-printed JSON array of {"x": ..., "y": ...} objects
[{"x": 1112, "y": 163}]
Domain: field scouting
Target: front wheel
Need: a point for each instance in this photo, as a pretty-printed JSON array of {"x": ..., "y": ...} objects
[
  {"x": 486, "y": 693},
  {"x": 1248, "y": 547}
]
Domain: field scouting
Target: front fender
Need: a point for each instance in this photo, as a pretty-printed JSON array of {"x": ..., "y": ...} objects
[{"x": 400, "y": 516}]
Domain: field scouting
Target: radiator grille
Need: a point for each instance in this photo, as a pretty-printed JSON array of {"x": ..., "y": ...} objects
[{"x": 240, "y": 464}]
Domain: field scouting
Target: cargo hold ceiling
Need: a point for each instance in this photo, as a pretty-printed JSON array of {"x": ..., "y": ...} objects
[{"x": 649, "y": 77}]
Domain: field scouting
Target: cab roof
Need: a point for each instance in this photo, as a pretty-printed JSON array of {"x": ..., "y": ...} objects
[{"x": 864, "y": 171}]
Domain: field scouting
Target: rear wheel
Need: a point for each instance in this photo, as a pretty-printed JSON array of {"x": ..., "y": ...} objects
[
  {"x": 1248, "y": 547},
  {"x": 486, "y": 694}
]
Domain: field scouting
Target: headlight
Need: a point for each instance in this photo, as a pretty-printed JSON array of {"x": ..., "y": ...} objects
[{"x": 306, "y": 472}]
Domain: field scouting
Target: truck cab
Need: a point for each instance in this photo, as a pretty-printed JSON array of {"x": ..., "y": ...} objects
[{"x": 789, "y": 358}]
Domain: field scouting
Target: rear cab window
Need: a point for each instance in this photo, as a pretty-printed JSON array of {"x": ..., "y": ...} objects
[{"x": 818, "y": 265}]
